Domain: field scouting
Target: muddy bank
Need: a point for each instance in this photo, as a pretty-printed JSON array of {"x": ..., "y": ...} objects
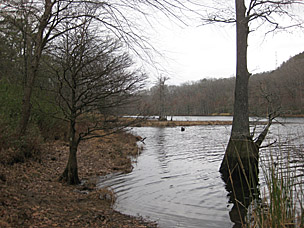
[{"x": 31, "y": 195}]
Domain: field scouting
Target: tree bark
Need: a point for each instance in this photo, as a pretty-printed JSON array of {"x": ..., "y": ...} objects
[
  {"x": 241, "y": 150},
  {"x": 32, "y": 69},
  {"x": 240, "y": 125},
  {"x": 27, "y": 94},
  {"x": 70, "y": 174}
]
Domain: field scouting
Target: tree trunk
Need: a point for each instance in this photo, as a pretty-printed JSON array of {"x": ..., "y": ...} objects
[
  {"x": 242, "y": 190},
  {"x": 26, "y": 102},
  {"x": 70, "y": 174},
  {"x": 240, "y": 125},
  {"x": 241, "y": 149},
  {"x": 34, "y": 55}
]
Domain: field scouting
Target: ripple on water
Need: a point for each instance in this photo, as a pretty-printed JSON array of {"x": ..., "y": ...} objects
[{"x": 176, "y": 180}]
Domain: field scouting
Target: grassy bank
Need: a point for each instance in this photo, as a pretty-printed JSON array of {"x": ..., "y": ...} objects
[
  {"x": 31, "y": 195},
  {"x": 156, "y": 123}
]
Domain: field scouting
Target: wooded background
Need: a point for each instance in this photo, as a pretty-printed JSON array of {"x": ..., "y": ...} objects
[{"x": 281, "y": 89}]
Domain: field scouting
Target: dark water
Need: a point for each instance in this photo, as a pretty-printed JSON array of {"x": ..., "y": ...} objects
[{"x": 175, "y": 180}]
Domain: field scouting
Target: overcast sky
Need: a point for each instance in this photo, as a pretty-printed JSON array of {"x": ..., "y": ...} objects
[{"x": 197, "y": 52}]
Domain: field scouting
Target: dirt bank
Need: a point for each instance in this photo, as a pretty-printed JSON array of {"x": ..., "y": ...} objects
[{"x": 31, "y": 195}]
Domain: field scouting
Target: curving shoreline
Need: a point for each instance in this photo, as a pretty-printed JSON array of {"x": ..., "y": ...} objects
[{"x": 31, "y": 195}]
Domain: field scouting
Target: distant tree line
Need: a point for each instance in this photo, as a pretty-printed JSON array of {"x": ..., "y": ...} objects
[{"x": 281, "y": 90}]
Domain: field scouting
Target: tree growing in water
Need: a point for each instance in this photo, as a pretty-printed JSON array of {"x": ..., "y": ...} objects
[
  {"x": 240, "y": 146},
  {"x": 242, "y": 150}
]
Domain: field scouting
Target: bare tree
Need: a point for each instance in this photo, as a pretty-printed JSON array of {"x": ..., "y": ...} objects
[
  {"x": 242, "y": 152},
  {"x": 93, "y": 74},
  {"x": 249, "y": 15},
  {"x": 42, "y": 21},
  {"x": 38, "y": 21},
  {"x": 161, "y": 94}
]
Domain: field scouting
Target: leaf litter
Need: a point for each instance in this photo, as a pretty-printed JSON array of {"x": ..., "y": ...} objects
[{"x": 31, "y": 195}]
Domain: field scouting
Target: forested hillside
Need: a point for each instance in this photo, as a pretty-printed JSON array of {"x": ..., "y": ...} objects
[{"x": 281, "y": 90}]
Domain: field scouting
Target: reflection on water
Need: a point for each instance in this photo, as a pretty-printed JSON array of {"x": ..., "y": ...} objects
[
  {"x": 176, "y": 181},
  {"x": 242, "y": 189}
]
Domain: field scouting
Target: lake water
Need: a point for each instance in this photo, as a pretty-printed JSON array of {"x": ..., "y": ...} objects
[{"x": 176, "y": 182}]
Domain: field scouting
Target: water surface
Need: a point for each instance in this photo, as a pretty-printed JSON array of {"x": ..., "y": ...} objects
[{"x": 175, "y": 180}]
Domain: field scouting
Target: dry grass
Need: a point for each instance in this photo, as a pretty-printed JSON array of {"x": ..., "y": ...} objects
[
  {"x": 282, "y": 203},
  {"x": 156, "y": 123}
]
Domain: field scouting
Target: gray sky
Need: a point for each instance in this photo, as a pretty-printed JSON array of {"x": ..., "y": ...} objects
[
  {"x": 195, "y": 52},
  {"x": 190, "y": 54}
]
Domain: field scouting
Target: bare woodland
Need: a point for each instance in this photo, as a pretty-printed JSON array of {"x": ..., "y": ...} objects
[
  {"x": 68, "y": 72},
  {"x": 73, "y": 58},
  {"x": 280, "y": 89}
]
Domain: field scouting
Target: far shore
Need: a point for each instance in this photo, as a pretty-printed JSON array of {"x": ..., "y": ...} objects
[
  {"x": 184, "y": 123},
  {"x": 157, "y": 123}
]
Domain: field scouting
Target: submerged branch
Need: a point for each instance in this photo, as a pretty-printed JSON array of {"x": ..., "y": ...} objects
[{"x": 268, "y": 145}]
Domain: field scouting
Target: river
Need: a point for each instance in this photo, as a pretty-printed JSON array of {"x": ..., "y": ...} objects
[{"x": 176, "y": 182}]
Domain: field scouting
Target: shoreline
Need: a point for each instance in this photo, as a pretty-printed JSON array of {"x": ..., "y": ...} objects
[
  {"x": 32, "y": 196},
  {"x": 174, "y": 123},
  {"x": 184, "y": 123}
]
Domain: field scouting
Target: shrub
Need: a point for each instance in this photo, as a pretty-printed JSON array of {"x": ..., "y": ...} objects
[{"x": 20, "y": 148}]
